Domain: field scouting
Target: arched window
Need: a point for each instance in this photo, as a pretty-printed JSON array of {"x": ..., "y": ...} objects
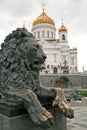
[
  {"x": 52, "y": 34},
  {"x": 55, "y": 70},
  {"x": 47, "y": 34},
  {"x": 51, "y": 66},
  {"x": 43, "y": 34},
  {"x": 38, "y": 34},
  {"x": 48, "y": 66},
  {"x": 63, "y": 37}
]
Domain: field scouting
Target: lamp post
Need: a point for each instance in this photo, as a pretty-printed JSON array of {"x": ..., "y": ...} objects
[
  {"x": 83, "y": 69},
  {"x": 83, "y": 79}
]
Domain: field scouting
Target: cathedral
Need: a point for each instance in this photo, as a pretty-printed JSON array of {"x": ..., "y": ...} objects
[{"x": 60, "y": 57}]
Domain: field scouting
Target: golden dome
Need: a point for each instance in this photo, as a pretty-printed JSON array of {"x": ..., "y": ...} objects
[
  {"x": 62, "y": 28},
  {"x": 43, "y": 18}
]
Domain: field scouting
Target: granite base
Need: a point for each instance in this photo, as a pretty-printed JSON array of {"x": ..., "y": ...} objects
[{"x": 23, "y": 122}]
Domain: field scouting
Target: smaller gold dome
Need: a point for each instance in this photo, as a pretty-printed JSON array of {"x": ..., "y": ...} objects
[
  {"x": 43, "y": 18},
  {"x": 62, "y": 28}
]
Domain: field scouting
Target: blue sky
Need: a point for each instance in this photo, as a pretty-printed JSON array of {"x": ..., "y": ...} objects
[{"x": 12, "y": 14}]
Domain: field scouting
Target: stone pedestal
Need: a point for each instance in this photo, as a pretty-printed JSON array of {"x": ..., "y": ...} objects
[{"x": 23, "y": 122}]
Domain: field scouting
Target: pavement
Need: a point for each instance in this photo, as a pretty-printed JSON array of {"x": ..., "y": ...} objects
[{"x": 79, "y": 122}]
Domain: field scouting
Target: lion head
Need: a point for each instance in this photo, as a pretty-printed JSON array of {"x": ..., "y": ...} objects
[{"x": 21, "y": 58}]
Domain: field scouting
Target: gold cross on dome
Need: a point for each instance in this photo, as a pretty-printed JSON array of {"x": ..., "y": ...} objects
[
  {"x": 43, "y": 5},
  {"x": 62, "y": 20}
]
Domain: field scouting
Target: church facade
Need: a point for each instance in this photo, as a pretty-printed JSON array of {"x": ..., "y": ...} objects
[{"x": 60, "y": 57}]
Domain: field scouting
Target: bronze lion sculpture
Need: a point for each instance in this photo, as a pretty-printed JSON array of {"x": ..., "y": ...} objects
[{"x": 21, "y": 59}]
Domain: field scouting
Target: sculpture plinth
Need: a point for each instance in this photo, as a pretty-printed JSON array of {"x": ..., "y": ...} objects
[{"x": 23, "y": 122}]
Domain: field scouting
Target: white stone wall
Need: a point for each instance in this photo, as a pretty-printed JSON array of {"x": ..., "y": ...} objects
[{"x": 57, "y": 52}]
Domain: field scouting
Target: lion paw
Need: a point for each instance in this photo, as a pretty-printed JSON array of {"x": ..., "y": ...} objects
[
  {"x": 66, "y": 110},
  {"x": 43, "y": 118},
  {"x": 69, "y": 113}
]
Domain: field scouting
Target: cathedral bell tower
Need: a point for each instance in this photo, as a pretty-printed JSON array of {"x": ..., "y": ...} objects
[{"x": 62, "y": 33}]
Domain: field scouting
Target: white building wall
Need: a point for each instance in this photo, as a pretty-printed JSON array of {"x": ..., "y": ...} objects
[{"x": 56, "y": 52}]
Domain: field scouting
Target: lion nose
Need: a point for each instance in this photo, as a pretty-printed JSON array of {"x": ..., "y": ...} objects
[{"x": 44, "y": 56}]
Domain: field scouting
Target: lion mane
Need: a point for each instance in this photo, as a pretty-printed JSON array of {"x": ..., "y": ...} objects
[{"x": 20, "y": 59}]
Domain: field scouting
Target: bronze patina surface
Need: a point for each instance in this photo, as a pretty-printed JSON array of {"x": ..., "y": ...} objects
[{"x": 21, "y": 59}]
